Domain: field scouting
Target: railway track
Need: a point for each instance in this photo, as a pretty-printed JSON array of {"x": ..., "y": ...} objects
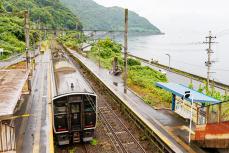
[
  {"x": 116, "y": 129},
  {"x": 124, "y": 141},
  {"x": 85, "y": 148}
]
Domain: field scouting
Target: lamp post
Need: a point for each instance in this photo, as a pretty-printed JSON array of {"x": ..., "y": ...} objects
[
  {"x": 125, "y": 50},
  {"x": 169, "y": 60},
  {"x": 187, "y": 95}
]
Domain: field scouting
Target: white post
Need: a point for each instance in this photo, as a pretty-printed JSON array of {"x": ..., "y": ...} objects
[
  {"x": 190, "y": 124},
  {"x": 169, "y": 60}
]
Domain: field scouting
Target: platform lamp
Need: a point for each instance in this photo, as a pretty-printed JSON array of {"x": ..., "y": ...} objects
[
  {"x": 169, "y": 60},
  {"x": 187, "y": 95}
]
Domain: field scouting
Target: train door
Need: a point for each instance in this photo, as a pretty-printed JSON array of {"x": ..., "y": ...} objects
[{"x": 75, "y": 117}]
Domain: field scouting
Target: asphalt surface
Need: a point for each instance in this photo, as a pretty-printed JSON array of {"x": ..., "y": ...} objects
[
  {"x": 34, "y": 130},
  {"x": 180, "y": 79},
  {"x": 12, "y": 61},
  {"x": 16, "y": 59},
  {"x": 160, "y": 121}
]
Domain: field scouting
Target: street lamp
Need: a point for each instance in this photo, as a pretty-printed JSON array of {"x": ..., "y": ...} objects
[
  {"x": 169, "y": 60},
  {"x": 187, "y": 95}
]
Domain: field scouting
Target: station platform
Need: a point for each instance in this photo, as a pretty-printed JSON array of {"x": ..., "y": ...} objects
[
  {"x": 170, "y": 127},
  {"x": 36, "y": 131}
]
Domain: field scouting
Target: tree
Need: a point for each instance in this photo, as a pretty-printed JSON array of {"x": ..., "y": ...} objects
[{"x": 2, "y": 9}]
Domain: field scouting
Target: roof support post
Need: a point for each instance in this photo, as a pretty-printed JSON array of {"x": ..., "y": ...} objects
[
  {"x": 173, "y": 102},
  {"x": 219, "y": 112},
  {"x": 207, "y": 115}
]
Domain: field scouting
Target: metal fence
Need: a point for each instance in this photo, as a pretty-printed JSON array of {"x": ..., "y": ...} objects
[{"x": 7, "y": 138}]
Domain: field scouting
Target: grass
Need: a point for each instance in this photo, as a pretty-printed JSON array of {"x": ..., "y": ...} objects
[
  {"x": 141, "y": 79},
  {"x": 94, "y": 142}
]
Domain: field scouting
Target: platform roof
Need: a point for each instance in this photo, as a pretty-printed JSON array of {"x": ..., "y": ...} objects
[
  {"x": 179, "y": 90},
  {"x": 11, "y": 86}
]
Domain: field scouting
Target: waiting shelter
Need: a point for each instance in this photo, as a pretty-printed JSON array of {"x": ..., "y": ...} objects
[
  {"x": 13, "y": 84},
  {"x": 181, "y": 105},
  {"x": 210, "y": 115}
]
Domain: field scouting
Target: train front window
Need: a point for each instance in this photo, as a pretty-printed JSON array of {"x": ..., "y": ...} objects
[
  {"x": 90, "y": 119},
  {"x": 61, "y": 123},
  {"x": 89, "y": 105},
  {"x": 89, "y": 112},
  {"x": 60, "y": 107}
]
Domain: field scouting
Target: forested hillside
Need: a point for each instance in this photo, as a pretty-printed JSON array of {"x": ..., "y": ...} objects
[
  {"x": 95, "y": 16},
  {"x": 43, "y": 13},
  {"x": 50, "y": 13}
]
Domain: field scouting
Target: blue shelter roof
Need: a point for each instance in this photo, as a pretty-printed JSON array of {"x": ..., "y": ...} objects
[{"x": 179, "y": 90}]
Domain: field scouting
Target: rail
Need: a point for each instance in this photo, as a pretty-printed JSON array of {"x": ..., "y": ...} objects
[{"x": 122, "y": 129}]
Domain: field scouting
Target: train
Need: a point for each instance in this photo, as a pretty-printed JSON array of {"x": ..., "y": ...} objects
[{"x": 74, "y": 103}]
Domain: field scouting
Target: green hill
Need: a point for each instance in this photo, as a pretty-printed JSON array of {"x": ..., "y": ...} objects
[
  {"x": 95, "y": 16},
  {"x": 48, "y": 13}
]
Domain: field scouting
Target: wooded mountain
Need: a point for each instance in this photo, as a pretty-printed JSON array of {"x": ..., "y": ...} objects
[
  {"x": 94, "y": 16},
  {"x": 49, "y": 13}
]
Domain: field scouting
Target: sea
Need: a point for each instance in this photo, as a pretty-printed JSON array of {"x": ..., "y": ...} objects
[{"x": 186, "y": 49}]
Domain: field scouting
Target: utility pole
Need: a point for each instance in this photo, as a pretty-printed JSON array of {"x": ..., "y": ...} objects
[
  {"x": 26, "y": 29},
  {"x": 208, "y": 63},
  {"x": 125, "y": 50}
]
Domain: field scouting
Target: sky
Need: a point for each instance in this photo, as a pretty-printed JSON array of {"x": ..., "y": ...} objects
[
  {"x": 165, "y": 14},
  {"x": 185, "y": 21}
]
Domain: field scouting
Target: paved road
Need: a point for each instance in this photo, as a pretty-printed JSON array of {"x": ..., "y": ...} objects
[
  {"x": 36, "y": 128},
  {"x": 12, "y": 61},
  {"x": 180, "y": 79},
  {"x": 15, "y": 59},
  {"x": 159, "y": 120}
]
